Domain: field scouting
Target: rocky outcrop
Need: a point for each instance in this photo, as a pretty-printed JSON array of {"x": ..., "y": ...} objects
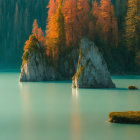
[
  {"x": 92, "y": 71},
  {"x": 130, "y": 117},
  {"x": 91, "y": 68},
  {"x": 38, "y": 68}
]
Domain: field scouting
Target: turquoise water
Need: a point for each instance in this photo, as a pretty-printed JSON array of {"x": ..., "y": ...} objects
[{"x": 55, "y": 111}]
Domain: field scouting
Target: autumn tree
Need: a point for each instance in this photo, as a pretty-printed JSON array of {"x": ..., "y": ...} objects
[
  {"x": 55, "y": 34},
  {"x": 38, "y": 32},
  {"x": 30, "y": 46},
  {"x": 133, "y": 25},
  {"x": 107, "y": 23},
  {"x": 40, "y": 35},
  {"x": 35, "y": 27},
  {"x": 52, "y": 9},
  {"x": 133, "y": 33},
  {"x": 94, "y": 15},
  {"x": 61, "y": 26},
  {"x": 71, "y": 22},
  {"x": 83, "y": 16}
]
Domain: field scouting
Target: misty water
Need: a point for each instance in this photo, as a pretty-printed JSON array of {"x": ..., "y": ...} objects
[{"x": 55, "y": 111}]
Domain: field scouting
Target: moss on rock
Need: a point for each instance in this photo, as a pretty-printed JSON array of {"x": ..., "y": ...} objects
[
  {"x": 132, "y": 87},
  {"x": 130, "y": 117}
]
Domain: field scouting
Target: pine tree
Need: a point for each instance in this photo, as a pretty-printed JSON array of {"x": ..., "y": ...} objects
[
  {"x": 94, "y": 15},
  {"x": 40, "y": 35},
  {"x": 71, "y": 22},
  {"x": 61, "y": 27},
  {"x": 55, "y": 34},
  {"x": 51, "y": 32},
  {"x": 52, "y": 8},
  {"x": 38, "y": 32},
  {"x": 133, "y": 34},
  {"x": 108, "y": 23},
  {"x": 35, "y": 27},
  {"x": 133, "y": 25},
  {"x": 83, "y": 16}
]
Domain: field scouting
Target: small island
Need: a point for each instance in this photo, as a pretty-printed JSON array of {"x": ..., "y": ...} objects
[
  {"x": 130, "y": 117},
  {"x": 132, "y": 87}
]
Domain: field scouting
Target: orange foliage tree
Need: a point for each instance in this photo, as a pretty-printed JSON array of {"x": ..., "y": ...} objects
[
  {"x": 108, "y": 23},
  {"x": 94, "y": 13},
  {"x": 55, "y": 33},
  {"x": 71, "y": 22},
  {"x": 38, "y": 32},
  {"x": 35, "y": 27},
  {"x": 83, "y": 16},
  {"x": 52, "y": 27},
  {"x": 40, "y": 35},
  {"x": 52, "y": 8}
]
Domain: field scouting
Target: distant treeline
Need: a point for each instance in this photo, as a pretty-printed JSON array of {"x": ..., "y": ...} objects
[{"x": 16, "y": 19}]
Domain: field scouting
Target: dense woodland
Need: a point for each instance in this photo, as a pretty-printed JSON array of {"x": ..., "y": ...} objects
[
  {"x": 16, "y": 19},
  {"x": 114, "y": 26}
]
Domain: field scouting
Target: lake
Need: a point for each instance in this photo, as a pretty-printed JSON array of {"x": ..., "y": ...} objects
[{"x": 55, "y": 111}]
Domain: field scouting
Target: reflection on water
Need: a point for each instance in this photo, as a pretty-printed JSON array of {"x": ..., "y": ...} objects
[
  {"x": 27, "y": 117},
  {"x": 76, "y": 122}
]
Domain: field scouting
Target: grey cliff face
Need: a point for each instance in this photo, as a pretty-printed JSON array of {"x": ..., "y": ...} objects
[
  {"x": 92, "y": 71},
  {"x": 37, "y": 68}
]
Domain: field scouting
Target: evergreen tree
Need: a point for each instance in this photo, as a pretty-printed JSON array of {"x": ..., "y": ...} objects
[
  {"x": 133, "y": 34},
  {"x": 133, "y": 25}
]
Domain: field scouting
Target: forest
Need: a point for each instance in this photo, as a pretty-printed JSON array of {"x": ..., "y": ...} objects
[{"x": 114, "y": 26}]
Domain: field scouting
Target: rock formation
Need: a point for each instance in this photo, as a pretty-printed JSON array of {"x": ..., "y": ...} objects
[
  {"x": 129, "y": 117},
  {"x": 38, "y": 68},
  {"x": 92, "y": 71},
  {"x": 91, "y": 68}
]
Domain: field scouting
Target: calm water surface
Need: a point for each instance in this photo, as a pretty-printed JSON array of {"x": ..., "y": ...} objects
[{"x": 55, "y": 111}]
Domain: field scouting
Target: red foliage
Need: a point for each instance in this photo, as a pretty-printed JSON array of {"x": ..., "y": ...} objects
[
  {"x": 95, "y": 12},
  {"x": 83, "y": 17},
  {"x": 108, "y": 22},
  {"x": 37, "y": 31},
  {"x": 71, "y": 22},
  {"x": 52, "y": 8}
]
